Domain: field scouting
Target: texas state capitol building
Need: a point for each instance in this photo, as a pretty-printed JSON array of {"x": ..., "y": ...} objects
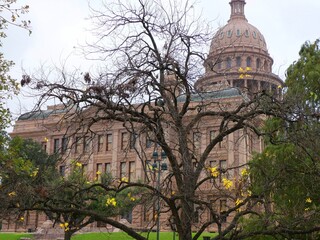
[{"x": 238, "y": 64}]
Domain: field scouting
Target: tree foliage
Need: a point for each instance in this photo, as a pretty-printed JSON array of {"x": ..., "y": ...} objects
[
  {"x": 30, "y": 181},
  {"x": 303, "y": 79},
  {"x": 10, "y": 16},
  {"x": 286, "y": 174},
  {"x": 24, "y": 167}
]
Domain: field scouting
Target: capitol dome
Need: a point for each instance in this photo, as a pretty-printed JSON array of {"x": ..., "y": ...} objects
[
  {"x": 238, "y": 57},
  {"x": 238, "y": 33}
]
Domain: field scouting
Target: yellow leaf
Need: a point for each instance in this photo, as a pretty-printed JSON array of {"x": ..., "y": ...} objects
[
  {"x": 78, "y": 164},
  {"x": 238, "y": 201},
  {"x": 227, "y": 183},
  {"x": 111, "y": 202},
  {"x": 244, "y": 172},
  {"x": 124, "y": 179},
  {"x": 12, "y": 194},
  {"x": 214, "y": 171}
]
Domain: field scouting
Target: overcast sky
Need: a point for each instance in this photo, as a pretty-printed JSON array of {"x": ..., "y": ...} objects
[{"x": 60, "y": 25}]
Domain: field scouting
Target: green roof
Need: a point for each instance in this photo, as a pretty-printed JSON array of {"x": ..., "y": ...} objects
[
  {"x": 225, "y": 93},
  {"x": 195, "y": 97},
  {"x": 42, "y": 114}
]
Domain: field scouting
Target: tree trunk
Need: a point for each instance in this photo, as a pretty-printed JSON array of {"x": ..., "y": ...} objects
[
  {"x": 187, "y": 209},
  {"x": 67, "y": 235},
  {"x": 186, "y": 221}
]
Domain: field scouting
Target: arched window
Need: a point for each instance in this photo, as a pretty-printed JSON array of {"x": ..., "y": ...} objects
[
  {"x": 248, "y": 61},
  {"x": 238, "y": 60},
  {"x": 265, "y": 66},
  {"x": 254, "y": 34},
  {"x": 229, "y": 62},
  {"x": 219, "y": 65},
  {"x": 258, "y": 63}
]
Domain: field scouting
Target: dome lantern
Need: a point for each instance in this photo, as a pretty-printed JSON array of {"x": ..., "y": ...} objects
[{"x": 237, "y": 9}]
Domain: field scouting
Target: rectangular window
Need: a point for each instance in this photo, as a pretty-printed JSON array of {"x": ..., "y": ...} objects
[
  {"x": 197, "y": 142},
  {"x": 214, "y": 207},
  {"x": 133, "y": 139},
  {"x": 123, "y": 170},
  {"x": 223, "y": 205},
  {"x": 148, "y": 170},
  {"x": 132, "y": 171},
  {"x": 99, "y": 171},
  {"x": 223, "y": 168},
  {"x": 100, "y": 143},
  {"x": 124, "y": 140},
  {"x": 223, "y": 143},
  {"x": 147, "y": 213},
  {"x": 196, "y": 215},
  {"x": 148, "y": 142},
  {"x": 77, "y": 145},
  {"x": 109, "y": 142},
  {"x": 84, "y": 169},
  {"x": 44, "y": 146},
  {"x": 223, "y": 164},
  {"x": 149, "y": 139},
  {"x": 250, "y": 143},
  {"x": 212, "y": 135},
  {"x": 107, "y": 168},
  {"x": 212, "y": 163},
  {"x": 223, "y": 208},
  {"x": 86, "y": 144},
  {"x": 56, "y": 145},
  {"x": 64, "y": 144},
  {"x": 62, "y": 170}
]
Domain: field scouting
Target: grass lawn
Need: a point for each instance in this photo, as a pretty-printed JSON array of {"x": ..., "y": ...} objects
[
  {"x": 100, "y": 236},
  {"x": 13, "y": 236},
  {"x": 124, "y": 236}
]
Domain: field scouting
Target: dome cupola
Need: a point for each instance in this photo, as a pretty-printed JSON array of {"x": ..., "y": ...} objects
[{"x": 238, "y": 56}]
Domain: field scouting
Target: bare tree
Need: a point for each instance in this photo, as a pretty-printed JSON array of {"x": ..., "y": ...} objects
[{"x": 153, "y": 52}]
